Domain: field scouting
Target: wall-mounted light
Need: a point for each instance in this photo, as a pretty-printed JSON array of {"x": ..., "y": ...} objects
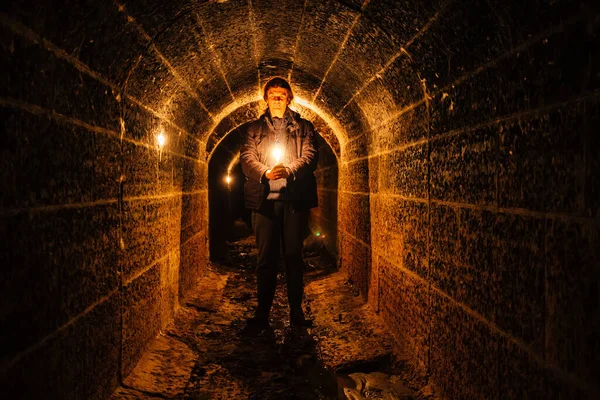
[
  {"x": 161, "y": 140},
  {"x": 228, "y": 179}
]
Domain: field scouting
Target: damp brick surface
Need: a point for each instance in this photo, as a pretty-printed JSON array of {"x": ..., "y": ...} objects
[{"x": 458, "y": 178}]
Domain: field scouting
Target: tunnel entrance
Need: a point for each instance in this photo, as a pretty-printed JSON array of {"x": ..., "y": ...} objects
[{"x": 229, "y": 220}]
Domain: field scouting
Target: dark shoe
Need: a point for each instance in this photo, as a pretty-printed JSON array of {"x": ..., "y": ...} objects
[{"x": 299, "y": 320}]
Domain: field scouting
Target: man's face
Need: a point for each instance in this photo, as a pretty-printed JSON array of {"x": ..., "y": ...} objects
[{"x": 277, "y": 100}]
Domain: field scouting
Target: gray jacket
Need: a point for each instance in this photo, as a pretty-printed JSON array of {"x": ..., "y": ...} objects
[{"x": 301, "y": 156}]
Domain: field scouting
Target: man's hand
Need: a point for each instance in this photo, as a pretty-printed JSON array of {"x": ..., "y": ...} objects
[{"x": 278, "y": 172}]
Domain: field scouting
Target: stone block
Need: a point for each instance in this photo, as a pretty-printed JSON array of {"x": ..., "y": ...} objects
[
  {"x": 355, "y": 262},
  {"x": 520, "y": 375},
  {"x": 322, "y": 35},
  {"x": 444, "y": 236},
  {"x": 46, "y": 162},
  {"x": 146, "y": 170},
  {"x": 367, "y": 38},
  {"x": 151, "y": 229},
  {"x": 234, "y": 36},
  {"x": 193, "y": 261},
  {"x": 268, "y": 15},
  {"x": 142, "y": 315},
  {"x": 186, "y": 47},
  {"x": 356, "y": 147},
  {"x": 79, "y": 362},
  {"x": 352, "y": 218},
  {"x": 142, "y": 123},
  {"x": 402, "y": 82},
  {"x": 444, "y": 249},
  {"x": 572, "y": 316},
  {"x": 405, "y": 306},
  {"x": 405, "y": 172},
  {"x": 463, "y": 167},
  {"x": 376, "y": 101},
  {"x": 193, "y": 214},
  {"x": 330, "y": 97},
  {"x": 374, "y": 289},
  {"x": 355, "y": 125},
  {"x": 355, "y": 177},
  {"x": 184, "y": 110},
  {"x": 169, "y": 287},
  {"x": 194, "y": 176},
  {"x": 402, "y": 21},
  {"x": 61, "y": 263},
  {"x": 245, "y": 113},
  {"x": 34, "y": 75},
  {"x": 151, "y": 79},
  {"x": 400, "y": 233},
  {"x": 415, "y": 232},
  {"x": 542, "y": 162},
  {"x": 107, "y": 166},
  {"x": 517, "y": 81},
  {"x": 477, "y": 277},
  {"x": 459, "y": 32},
  {"x": 100, "y": 45},
  {"x": 464, "y": 352},
  {"x": 409, "y": 127},
  {"x": 521, "y": 277}
]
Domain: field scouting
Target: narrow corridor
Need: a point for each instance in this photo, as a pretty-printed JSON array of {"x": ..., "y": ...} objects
[
  {"x": 458, "y": 188},
  {"x": 208, "y": 352}
]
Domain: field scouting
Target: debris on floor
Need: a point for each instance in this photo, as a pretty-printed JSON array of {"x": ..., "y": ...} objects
[{"x": 208, "y": 352}]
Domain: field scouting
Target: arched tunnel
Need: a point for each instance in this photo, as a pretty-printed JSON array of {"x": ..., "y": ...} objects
[{"x": 458, "y": 178}]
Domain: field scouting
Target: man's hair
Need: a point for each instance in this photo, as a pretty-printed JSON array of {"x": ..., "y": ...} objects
[{"x": 278, "y": 82}]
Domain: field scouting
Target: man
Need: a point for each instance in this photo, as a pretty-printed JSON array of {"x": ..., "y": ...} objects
[{"x": 278, "y": 157}]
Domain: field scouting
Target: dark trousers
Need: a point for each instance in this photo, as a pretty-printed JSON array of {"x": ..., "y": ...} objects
[{"x": 277, "y": 225}]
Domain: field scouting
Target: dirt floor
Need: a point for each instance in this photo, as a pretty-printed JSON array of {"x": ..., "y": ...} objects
[{"x": 208, "y": 352}]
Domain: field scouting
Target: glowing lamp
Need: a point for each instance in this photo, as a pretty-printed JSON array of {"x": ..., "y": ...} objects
[
  {"x": 161, "y": 139},
  {"x": 228, "y": 179}
]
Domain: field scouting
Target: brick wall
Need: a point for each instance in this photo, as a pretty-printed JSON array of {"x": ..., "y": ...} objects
[
  {"x": 101, "y": 232},
  {"x": 483, "y": 191},
  {"x": 467, "y": 188}
]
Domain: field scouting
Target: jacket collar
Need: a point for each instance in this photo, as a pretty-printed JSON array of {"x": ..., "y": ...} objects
[{"x": 290, "y": 117}]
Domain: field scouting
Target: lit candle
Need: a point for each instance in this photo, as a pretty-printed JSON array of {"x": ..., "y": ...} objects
[{"x": 277, "y": 153}]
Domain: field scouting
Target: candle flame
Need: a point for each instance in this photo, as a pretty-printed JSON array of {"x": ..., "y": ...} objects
[{"x": 277, "y": 153}]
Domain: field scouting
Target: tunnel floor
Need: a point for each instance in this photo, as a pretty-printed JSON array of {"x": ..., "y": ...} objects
[{"x": 208, "y": 352}]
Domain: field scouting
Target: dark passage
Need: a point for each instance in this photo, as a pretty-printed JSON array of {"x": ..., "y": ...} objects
[{"x": 458, "y": 184}]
